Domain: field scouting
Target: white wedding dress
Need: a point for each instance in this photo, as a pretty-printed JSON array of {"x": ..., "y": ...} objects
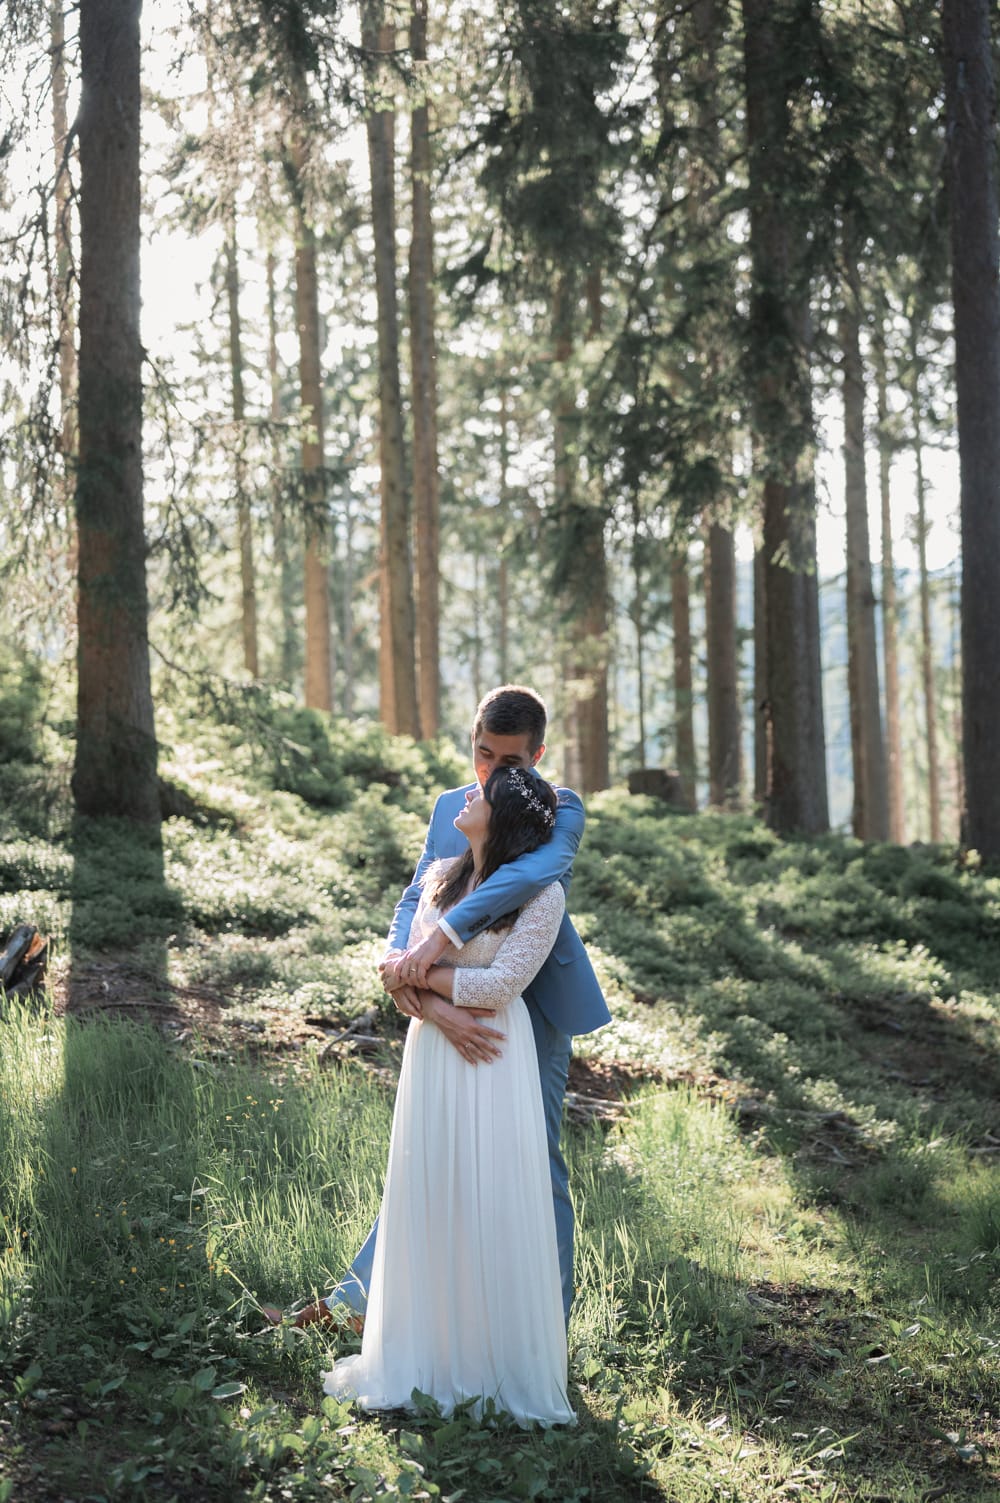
[{"x": 465, "y": 1300}]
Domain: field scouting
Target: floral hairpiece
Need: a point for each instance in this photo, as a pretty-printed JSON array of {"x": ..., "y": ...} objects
[{"x": 519, "y": 783}]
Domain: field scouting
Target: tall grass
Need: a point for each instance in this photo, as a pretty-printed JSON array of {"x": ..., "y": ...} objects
[
  {"x": 151, "y": 1199},
  {"x": 109, "y": 1141}
]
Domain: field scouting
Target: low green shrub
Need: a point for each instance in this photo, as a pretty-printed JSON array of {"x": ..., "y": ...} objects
[{"x": 22, "y": 690}]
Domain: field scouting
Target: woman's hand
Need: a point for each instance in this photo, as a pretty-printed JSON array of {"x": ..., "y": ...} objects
[
  {"x": 461, "y": 1026},
  {"x": 414, "y": 965}
]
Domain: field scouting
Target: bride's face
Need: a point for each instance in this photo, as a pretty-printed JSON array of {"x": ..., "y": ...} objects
[{"x": 474, "y": 819}]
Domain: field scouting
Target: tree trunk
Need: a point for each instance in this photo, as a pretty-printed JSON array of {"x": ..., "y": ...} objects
[
  {"x": 638, "y": 614},
  {"x": 890, "y": 651},
  {"x": 423, "y": 397},
  {"x": 62, "y": 197},
  {"x": 319, "y": 665},
  {"x": 871, "y": 805},
  {"x": 955, "y": 684},
  {"x": 288, "y": 649},
  {"x": 590, "y": 653},
  {"x": 970, "y": 92},
  {"x": 705, "y": 176},
  {"x": 796, "y": 778},
  {"x": 248, "y": 586},
  {"x": 347, "y": 626},
  {"x": 761, "y": 711},
  {"x": 564, "y": 501},
  {"x": 680, "y": 598},
  {"x": 926, "y": 629},
  {"x": 725, "y": 752},
  {"x": 115, "y": 765},
  {"x": 503, "y": 568},
  {"x": 397, "y": 646},
  {"x": 584, "y": 568}
]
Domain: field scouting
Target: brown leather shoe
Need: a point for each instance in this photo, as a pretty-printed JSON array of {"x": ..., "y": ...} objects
[
  {"x": 335, "y": 1315},
  {"x": 320, "y": 1312}
]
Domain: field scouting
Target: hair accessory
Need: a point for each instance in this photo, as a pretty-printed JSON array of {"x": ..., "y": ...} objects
[{"x": 519, "y": 783}]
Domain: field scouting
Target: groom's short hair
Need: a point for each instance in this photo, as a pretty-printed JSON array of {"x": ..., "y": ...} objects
[{"x": 512, "y": 710}]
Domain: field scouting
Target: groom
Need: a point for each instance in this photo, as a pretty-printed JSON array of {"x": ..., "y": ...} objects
[{"x": 563, "y": 999}]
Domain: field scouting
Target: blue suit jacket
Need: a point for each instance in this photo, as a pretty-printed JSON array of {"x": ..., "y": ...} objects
[{"x": 565, "y": 991}]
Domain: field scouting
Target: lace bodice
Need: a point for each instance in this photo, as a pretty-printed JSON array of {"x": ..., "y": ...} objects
[{"x": 491, "y": 969}]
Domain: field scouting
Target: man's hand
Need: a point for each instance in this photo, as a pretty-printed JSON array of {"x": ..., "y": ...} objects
[
  {"x": 405, "y": 998},
  {"x": 417, "y": 962},
  {"x": 408, "y": 1001},
  {"x": 389, "y": 969},
  {"x": 462, "y": 1028}
]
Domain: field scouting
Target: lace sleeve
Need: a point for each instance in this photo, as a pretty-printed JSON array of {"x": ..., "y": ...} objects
[{"x": 519, "y": 958}]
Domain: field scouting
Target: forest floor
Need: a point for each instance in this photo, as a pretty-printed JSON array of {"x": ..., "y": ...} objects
[{"x": 783, "y": 1151}]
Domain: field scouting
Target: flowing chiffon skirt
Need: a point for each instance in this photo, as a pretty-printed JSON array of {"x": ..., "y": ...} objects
[{"x": 465, "y": 1299}]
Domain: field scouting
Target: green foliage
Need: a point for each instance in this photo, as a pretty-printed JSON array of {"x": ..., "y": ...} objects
[
  {"x": 326, "y": 761},
  {"x": 22, "y": 690}
]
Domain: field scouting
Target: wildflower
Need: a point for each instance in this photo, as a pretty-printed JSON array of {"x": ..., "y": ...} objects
[{"x": 73, "y": 1170}]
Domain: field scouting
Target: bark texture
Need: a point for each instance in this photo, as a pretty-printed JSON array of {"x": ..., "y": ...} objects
[
  {"x": 970, "y": 93},
  {"x": 924, "y": 583},
  {"x": 870, "y": 819},
  {"x": 397, "y": 646},
  {"x": 583, "y": 569},
  {"x": 319, "y": 663},
  {"x": 62, "y": 198},
  {"x": 503, "y": 568},
  {"x": 423, "y": 396},
  {"x": 288, "y": 648},
  {"x": 115, "y": 765},
  {"x": 761, "y": 716},
  {"x": 725, "y": 755},
  {"x": 680, "y": 604},
  {"x": 796, "y": 774},
  {"x": 248, "y": 585},
  {"x": 890, "y": 649}
]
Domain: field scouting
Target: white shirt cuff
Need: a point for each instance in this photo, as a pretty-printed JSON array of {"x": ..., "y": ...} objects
[{"x": 444, "y": 924}]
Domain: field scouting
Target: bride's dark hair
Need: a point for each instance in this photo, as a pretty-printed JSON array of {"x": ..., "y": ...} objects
[{"x": 522, "y": 817}]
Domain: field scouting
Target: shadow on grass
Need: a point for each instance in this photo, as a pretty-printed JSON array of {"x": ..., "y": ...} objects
[
  {"x": 785, "y": 1371},
  {"x": 852, "y": 1065},
  {"x": 844, "y": 971}
]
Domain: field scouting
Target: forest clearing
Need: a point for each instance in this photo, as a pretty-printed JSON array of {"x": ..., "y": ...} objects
[
  {"x": 783, "y": 1152},
  {"x": 356, "y": 357}
]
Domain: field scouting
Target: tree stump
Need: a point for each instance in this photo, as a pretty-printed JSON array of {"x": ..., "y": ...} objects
[
  {"x": 23, "y": 961},
  {"x": 659, "y": 783}
]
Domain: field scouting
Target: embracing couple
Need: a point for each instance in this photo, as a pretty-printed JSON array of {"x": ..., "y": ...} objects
[{"x": 465, "y": 1283}]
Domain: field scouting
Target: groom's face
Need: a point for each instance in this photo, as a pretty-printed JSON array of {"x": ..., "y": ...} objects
[{"x": 490, "y": 751}]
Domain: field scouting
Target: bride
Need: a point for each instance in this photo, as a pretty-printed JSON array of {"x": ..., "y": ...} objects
[{"x": 465, "y": 1302}]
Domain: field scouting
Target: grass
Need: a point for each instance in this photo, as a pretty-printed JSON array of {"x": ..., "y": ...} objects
[{"x": 789, "y": 1239}]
